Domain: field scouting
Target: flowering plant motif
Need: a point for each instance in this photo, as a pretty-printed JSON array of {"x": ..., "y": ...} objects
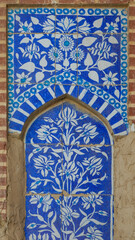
[
  {"x": 69, "y": 221},
  {"x": 93, "y": 55},
  {"x": 73, "y": 164}
]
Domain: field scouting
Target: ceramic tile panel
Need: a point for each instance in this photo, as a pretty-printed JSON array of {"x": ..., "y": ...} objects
[
  {"x": 43, "y": 166},
  {"x": 83, "y": 46},
  {"x": 43, "y": 217},
  {"x": 87, "y": 217}
]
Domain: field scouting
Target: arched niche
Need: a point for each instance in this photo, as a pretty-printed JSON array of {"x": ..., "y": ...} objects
[{"x": 69, "y": 186}]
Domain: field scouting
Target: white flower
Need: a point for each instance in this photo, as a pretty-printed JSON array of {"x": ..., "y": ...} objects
[
  {"x": 84, "y": 28},
  {"x": 66, "y": 43},
  {"x": 55, "y": 54},
  {"x": 46, "y": 133},
  {"x": 67, "y": 213},
  {"x": 67, "y": 117},
  {"x": 49, "y": 26},
  {"x": 66, "y": 24},
  {"x": 91, "y": 200},
  {"x": 25, "y": 27},
  {"x": 93, "y": 165},
  {"x": 88, "y": 131},
  {"x": 43, "y": 163},
  {"x": 112, "y": 27},
  {"x": 23, "y": 79},
  {"x": 42, "y": 201},
  {"x": 32, "y": 51},
  {"x": 77, "y": 54},
  {"x": 69, "y": 170},
  {"x": 93, "y": 234},
  {"x": 101, "y": 49},
  {"x": 109, "y": 79}
]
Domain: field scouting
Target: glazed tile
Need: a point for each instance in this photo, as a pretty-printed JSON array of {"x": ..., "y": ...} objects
[
  {"x": 82, "y": 128},
  {"x": 87, "y": 217},
  {"x": 69, "y": 89},
  {"x": 47, "y": 128},
  {"x": 43, "y": 217},
  {"x": 43, "y": 164},
  {"x": 34, "y": 58},
  {"x": 87, "y": 169},
  {"x": 66, "y": 23}
]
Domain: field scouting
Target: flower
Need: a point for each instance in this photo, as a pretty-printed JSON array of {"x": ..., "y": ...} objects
[
  {"x": 49, "y": 25},
  {"x": 77, "y": 54},
  {"x": 43, "y": 164},
  {"x": 69, "y": 170},
  {"x": 112, "y": 27},
  {"x": 101, "y": 49},
  {"x": 32, "y": 51},
  {"x": 88, "y": 131},
  {"x": 55, "y": 54},
  {"x": 23, "y": 79},
  {"x": 67, "y": 153},
  {"x": 109, "y": 79},
  {"x": 66, "y": 25},
  {"x": 46, "y": 133},
  {"x": 66, "y": 43},
  {"x": 67, "y": 213},
  {"x": 93, "y": 164},
  {"x": 91, "y": 200},
  {"x": 67, "y": 117},
  {"x": 93, "y": 234},
  {"x": 42, "y": 201},
  {"x": 84, "y": 28},
  {"x": 25, "y": 27}
]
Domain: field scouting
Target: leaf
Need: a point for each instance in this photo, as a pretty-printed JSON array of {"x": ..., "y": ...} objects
[
  {"x": 97, "y": 23},
  {"x": 43, "y": 226},
  {"x": 82, "y": 212},
  {"x": 97, "y": 222},
  {"x": 56, "y": 233},
  {"x": 58, "y": 67},
  {"x": 43, "y": 62},
  {"x": 39, "y": 76},
  {"x": 35, "y": 20},
  {"x": 79, "y": 190},
  {"x": 17, "y": 90},
  {"x": 21, "y": 49},
  {"x": 88, "y": 41},
  {"x": 77, "y": 151},
  {"x": 93, "y": 75},
  {"x": 40, "y": 217},
  {"x": 66, "y": 62},
  {"x": 117, "y": 93},
  {"x": 84, "y": 222},
  {"x": 50, "y": 214},
  {"x": 80, "y": 19},
  {"x": 102, "y": 64},
  {"x": 17, "y": 55},
  {"x": 52, "y": 17},
  {"x": 25, "y": 40},
  {"x": 29, "y": 66},
  {"x": 73, "y": 66},
  {"x": 45, "y": 42},
  {"x": 88, "y": 61},
  {"x": 112, "y": 40},
  {"x": 17, "y": 18},
  {"x": 32, "y": 225},
  {"x": 37, "y": 36},
  {"x": 113, "y": 54},
  {"x": 67, "y": 232}
]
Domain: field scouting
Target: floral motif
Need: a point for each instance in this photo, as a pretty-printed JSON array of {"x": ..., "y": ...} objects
[
  {"x": 101, "y": 49},
  {"x": 112, "y": 27},
  {"x": 25, "y": 27},
  {"x": 66, "y": 43},
  {"x": 77, "y": 55},
  {"x": 66, "y": 25},
  {"x": 23, "y": 79},
  {"x": 43, "y": 164},
  {"x": 88, "y": 131},
  {"x": 109, "y": 79},
  {"x": 42, "y": 201},
  {"x": 55, "y": 54},
  {"x": 92, "y": 199},
  {"x": 46, "y": 133},
  {"x": 93, "y": 165},
  {"x": 94, "y": 234},
  {"x": 32, "y": 51}
]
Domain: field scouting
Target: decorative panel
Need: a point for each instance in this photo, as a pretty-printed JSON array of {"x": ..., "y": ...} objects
[{"x": 80, "y": 52}]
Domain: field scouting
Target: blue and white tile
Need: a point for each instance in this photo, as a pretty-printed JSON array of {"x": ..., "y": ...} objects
[
  {"x": 87, "y": 169},
  {"x": 101, "y": 59},
  {"x": 70, "y": 89},
  {"x": 66, "y": 24},
  {"x": 34, "y": 59},
  {"x": 47, "y": 128},
  {"x": 31, "y": 20},
  {"x": 87, "y": 217},
  {"x": 68, "y": 58},
  {"x": 82, "y": 128},
  {"x": 94, "y": 24},
  {"x": 43, "y": 217},
  {"x": 43, "y": 167}
]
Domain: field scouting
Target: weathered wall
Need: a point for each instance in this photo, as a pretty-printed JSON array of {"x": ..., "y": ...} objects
[{"x": 124, "y": 189}]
